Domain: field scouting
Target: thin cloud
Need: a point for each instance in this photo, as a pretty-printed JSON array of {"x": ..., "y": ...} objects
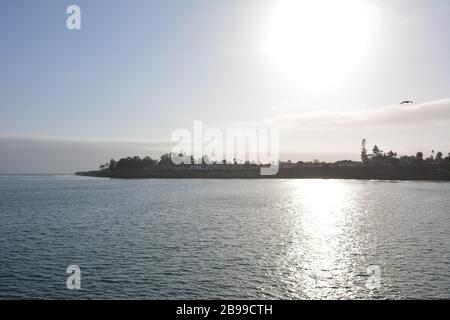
[
  {"x": 54, "y": 139},
  {"x": 423, "y": 114}
]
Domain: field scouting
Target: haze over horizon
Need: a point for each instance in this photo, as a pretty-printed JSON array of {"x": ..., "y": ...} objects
[{"x": 326, "y": 74}]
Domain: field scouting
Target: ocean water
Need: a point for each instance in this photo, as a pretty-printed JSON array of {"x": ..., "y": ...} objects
[{"x": 230, "y": 239}]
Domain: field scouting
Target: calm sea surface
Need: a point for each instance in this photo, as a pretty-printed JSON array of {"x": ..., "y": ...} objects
[{"x": 265, "y": 239}]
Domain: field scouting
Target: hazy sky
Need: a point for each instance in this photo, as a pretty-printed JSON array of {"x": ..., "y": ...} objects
[{"x": 139, "y": 69}]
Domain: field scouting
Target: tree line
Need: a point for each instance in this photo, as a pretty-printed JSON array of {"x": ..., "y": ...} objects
[{"x": 377, "y": 158}]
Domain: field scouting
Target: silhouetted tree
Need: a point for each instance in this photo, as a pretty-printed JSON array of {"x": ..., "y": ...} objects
[
  {"x": 377, "y": 152},
  {"x": 112, "y": 164},
  {"x": 129, "y": 163},
  {"x": 419, "y": 157},
  {"x": 391, "y": 157},
  {"x": 166, "y": 160},
  {"x": 391, "y": 154},
  {"x": 148, "y": 162},
  {"x": 364, "y": 156}
]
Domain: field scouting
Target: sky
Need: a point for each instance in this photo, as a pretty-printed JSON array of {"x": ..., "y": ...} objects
[{"x": 325, "y": 75}]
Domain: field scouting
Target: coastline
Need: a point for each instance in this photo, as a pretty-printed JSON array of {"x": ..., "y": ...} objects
[{"x": 401, "y": 173}]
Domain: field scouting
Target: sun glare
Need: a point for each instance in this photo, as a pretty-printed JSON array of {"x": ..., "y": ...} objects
[{"x": 320, "y": 42}]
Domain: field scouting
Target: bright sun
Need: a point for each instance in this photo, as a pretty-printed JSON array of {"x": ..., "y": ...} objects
[{"x": 319, "y": 42}]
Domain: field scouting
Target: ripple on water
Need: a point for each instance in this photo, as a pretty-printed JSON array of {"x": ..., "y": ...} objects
[{"x": 267, "y": 239}]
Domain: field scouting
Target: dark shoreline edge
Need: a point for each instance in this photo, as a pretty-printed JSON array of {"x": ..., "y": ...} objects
[{"x": 401, "y": 173}]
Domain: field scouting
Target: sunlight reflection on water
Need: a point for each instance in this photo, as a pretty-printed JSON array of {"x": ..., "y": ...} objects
[{"x": 321, "y": 211}]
